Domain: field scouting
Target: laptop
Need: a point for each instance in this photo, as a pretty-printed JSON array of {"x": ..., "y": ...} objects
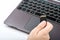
[{"x": 26, "y": 16}]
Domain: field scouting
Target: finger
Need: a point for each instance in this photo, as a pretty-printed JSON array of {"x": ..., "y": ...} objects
[
  {"x": 39, "y": 27},
  {"x": 46, "y": 37},
  {"x": 47, "y": 29}
]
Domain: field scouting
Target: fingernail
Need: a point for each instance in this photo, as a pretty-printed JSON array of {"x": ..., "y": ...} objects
[{"x": 44, "y": 21}]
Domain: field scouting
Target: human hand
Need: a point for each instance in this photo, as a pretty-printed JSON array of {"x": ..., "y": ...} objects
[{"x": 41, "y": 32}]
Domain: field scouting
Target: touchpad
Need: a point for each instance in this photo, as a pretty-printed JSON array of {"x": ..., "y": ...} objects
[{"x": 33, "y": 22}]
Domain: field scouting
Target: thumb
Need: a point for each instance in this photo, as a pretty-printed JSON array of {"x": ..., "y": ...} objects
[
  {"x": 39, "y": 27},
  {"x": 47, "y": 29}
]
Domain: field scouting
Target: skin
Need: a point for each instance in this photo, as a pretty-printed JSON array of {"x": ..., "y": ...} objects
[{"x": 41, "y": 32}]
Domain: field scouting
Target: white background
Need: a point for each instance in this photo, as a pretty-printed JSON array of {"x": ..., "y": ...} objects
[
  {"x": 57, "y": 0},
  {"x": 6, "y": 33}
]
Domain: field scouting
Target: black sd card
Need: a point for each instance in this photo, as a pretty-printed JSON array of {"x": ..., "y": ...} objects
[{"x": 43, "y": 17}]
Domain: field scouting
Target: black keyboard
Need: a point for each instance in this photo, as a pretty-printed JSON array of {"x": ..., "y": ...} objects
[{"x": 38, "y": 7}]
